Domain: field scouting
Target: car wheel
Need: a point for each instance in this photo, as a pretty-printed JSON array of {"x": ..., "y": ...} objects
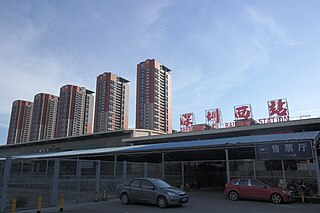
[
  {"x": 276, "y": 198},
  {"x": 233, "y": 195},
  {"x": 125, "y": 200},
  {"x": 162, "y": 202}
]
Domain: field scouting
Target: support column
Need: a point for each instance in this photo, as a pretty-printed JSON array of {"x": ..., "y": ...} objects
[
  {"x": 182, "y": 174},
  {"x": 162, "y": 166},
  {"x": 283, "y": 173},
  {"x": 98, "y": 176},
  {"x": 254, "y": 169},
  {"x": 55, "y": 183},
  {"x": 5, "y": 183},
  {"x": 47, "y": 167},
  {"x": 78, "y": 176},
  {"x": 22, "y": 165},
  {"x": 227, "y": 165},
  {"x": 317, "y": 169},
  {"x": 115, "y": 166},
  {"x": 124, "y": 171},
  {"x": 309, "y": 168},
  {"x": 145, "y": 169}
]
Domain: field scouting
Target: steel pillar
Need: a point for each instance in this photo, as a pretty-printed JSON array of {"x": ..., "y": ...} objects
[
  {"x": 317, "y": 169},
  {"x": 182, "y": 174},
  {"x": 145, "y": 170},
  {"x": 162, "y": 166},
  {"x": 283, "y": 173},
  {"x": 5, "y": 183},
  {"x": 98, "y": 163},
  {"x": 78, "y": 176},
  {"x": 115, "y": 166},
  {"x": 227, "y": 165},
  {"x": 254, "y": 169},
  {"x": 55, "y": 183},
  {"x": 124, "y": 171}
]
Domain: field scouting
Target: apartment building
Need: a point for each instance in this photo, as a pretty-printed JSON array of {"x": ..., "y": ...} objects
[
  {"x": 112, "y": 103},
  {"x": 44, "y": 116},
  {"x": 20, "y": 120},
  {"x": 153, "y": 101},
  {"x": 75, "y": 111}
]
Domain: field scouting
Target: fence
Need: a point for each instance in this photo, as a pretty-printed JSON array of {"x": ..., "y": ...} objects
[
  {"x": 274, "y": 172},
  {"x": 90, "y": 180},
  {"x": 78, "y": 180}
]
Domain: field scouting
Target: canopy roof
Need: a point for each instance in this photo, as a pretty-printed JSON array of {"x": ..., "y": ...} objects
[{"x": 183, "y": 146}]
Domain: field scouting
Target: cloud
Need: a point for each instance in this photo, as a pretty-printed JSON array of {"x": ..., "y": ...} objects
[
  {"x": 25, "y": 68},
  {"x": 270, "y": 33}
]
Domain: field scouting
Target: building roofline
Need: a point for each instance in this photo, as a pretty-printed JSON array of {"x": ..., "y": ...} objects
[
  {"x": 178, "y": 136},
  {"x": 81, "y": 137}
]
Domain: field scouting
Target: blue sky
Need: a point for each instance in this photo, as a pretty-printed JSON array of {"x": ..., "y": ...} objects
[{"x": 222, "y": 53}]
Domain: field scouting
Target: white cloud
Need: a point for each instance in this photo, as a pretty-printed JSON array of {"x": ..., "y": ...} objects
[
  {"x": 269, "y": 31},
  {"x": 25, "y": 69}
]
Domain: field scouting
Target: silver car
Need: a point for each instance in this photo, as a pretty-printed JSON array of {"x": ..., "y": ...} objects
[{"x": 151, "y": 190}]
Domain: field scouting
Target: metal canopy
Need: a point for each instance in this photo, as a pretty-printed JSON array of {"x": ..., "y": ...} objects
[{"x": 183, "y": 146}]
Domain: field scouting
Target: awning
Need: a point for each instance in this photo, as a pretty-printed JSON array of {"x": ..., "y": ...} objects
[{"x": 189, "y": 145}]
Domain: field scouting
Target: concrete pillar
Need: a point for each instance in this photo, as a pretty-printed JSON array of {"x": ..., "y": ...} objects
[
  {"x": 98, "y": 163},
  {"x": 55, "y": 183},
  {"x": 227, "y": 165},
  {"x": 5, "y": 183},
  {"x": 145, "y": 170}
]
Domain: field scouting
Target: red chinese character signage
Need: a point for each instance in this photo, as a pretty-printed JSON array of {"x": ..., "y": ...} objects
[
  {"x": 214, "y": 118},
  {"x": 278, "y": 108},
  {"x": 243, "y": 112},
  {"x": 186, "y": 122}
]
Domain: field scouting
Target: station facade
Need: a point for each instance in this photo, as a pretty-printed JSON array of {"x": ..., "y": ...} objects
[{"x": 280, "y": 153}]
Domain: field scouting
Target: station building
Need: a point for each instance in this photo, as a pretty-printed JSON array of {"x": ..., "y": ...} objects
[{"x": 277, "y": 152}]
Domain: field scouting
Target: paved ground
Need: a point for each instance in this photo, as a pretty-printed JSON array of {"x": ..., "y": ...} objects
[{"x": 200, "y": 201}]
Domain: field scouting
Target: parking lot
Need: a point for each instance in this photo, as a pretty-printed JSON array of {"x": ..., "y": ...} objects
[{"x": 199, "y": 201}]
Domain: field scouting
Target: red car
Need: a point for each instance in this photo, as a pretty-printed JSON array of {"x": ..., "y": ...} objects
[{"x": 251, "y": 188}]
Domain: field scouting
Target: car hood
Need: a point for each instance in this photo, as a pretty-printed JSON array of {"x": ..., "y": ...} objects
[{"x": 174, "y": 190}]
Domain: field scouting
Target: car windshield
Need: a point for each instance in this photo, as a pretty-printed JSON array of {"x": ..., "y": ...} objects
[
  {"x": 266, "y": 183},
  {"x": 161, "y": 184}
]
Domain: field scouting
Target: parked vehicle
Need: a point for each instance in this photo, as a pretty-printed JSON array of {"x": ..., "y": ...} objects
[
  {"x": 251, "y": 188},
  {"x": 151, "y": 190}
]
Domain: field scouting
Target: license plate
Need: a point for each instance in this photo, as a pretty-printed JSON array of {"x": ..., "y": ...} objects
[{"x": 184, "y": 199}]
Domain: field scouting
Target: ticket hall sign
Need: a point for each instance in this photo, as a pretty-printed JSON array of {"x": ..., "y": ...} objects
[{"x": 284, "y": 150}]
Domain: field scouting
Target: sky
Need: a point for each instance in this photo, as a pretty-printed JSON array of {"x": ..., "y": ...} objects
[{"x": 222, "y": 53}]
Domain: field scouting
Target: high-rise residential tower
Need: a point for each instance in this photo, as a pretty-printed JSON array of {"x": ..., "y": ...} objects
[
  {"x": 20, "y": 120},
  {"x": 153, "y": 104},
  {"x": 75, "y": 111},
  {"x": 44, "y": 116},
  {"x": 112, "y": 103}
]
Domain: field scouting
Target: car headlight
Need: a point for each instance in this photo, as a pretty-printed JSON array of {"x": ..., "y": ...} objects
[
  {"x": 286, "y": 192},
  {"x": 171, "y": 194}
]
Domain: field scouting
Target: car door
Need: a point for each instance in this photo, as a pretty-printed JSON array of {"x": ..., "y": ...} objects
[
  {"x": 243, "y": 188},
  {"x": 134, "y": 189},
  {"x": 148, "y": 192},
  {"x": 258, "y": 190}
]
